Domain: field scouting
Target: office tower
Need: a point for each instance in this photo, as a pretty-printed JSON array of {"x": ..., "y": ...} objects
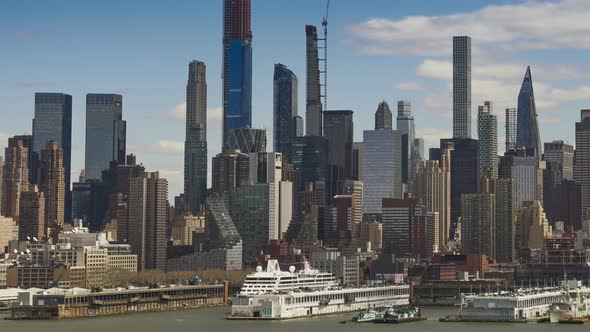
[
  {"x": 505, "y": 191},
  {"x": 487, "y": 131},
  {"x": 53, "y": 122},
  {"x": 237, "y": 66},
  {"x": 510, "y": 127},
  {"x": 15, "y": 177},
  {"x": 570, "y": 200},
  {"x": 532, "y": 228},
  {"x": 561, "y": 154},
  {"x": 405, "y": 125},
  {"x": 266, "y": 167},
  {"x": 338, "y": 129},
  {"x": 284, "y": 108},
  {"x": 461, "y": 87},
  {"x": 247, "y": 140},
  {"x": 463, "y": 160},
  {"x": 355, "y": 188},
  {"x": 32, "y": 217},
  {"x": 148, "y": 196},
  {"x": 478, "y": 219},
  {"x": 433, "y": 191},
  {"x": 527, "y": 131},
  {"x": 408, "y": 230},
  {"x": 309, "y": 156},
  {"x": 357, "y": 161},
  {"x": 528, "y": 175},
  {"x": 195, "y": 144},
  {"x": 105, "y": 133},
  {"x": 381, "y": 168},
  {"x": 52, "y": 183},
  {"x": 230, "y": 170},
  {"x": 250, "y": 210},
  {"x": 1, "y": 182},
  {"x": 383, "y": 117},
  {"x": 313, "y": 104},
  {"x": 582, "y": 160},
  {"x": 419, "y": 148},
  {"x": 298, "y": 129}
]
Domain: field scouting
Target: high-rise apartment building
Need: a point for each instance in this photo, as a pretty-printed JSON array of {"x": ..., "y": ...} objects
[
  {"x": 510, "y": 128},
  {"x": 230, "y": 170},
  {"x": 105, "y": 133},
  {"x": 487, "y": 131},
  {"x": 284, "y": 108},
  {"x": 237, "y": 66},
  {"x": 313, "y": 105},
  {"x": 505, "y": 228},
  {"x": 461, "y": 87},
  {"x": 15, "y": 177},
  {"x": 52, "y": 183},
  {"x": 53, "y": 122},
  {"x": 32, "y": 215},
  {"x": 527, "y": 132},
  {"x": 562, "y": 155},
  {"x": 381, "y": 168},
  {"x": 478, "y": 222},
  {"x": 195, "y": 144},
  {"x": 383, "y": 117},
  {"x": 582, "y": 160},
  {"x": 147, "y": 223},
  {"x": 338, "y": 129}
]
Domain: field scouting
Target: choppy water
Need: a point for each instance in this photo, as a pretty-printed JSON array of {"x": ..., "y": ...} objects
[{"x": 213, "y": 319}]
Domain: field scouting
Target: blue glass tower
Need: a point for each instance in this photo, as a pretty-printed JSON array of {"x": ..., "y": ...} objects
[
  {"x": 284, "y": 108},
  {"x": 527, "y": 129},
  {"x": 238, "y": 113}
]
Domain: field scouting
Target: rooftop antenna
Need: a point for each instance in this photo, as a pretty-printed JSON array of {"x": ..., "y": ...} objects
[{"x": 325, "y": 59}]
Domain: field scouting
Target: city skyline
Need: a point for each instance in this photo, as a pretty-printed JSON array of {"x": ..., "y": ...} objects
[{"x": 421, "y": 74}]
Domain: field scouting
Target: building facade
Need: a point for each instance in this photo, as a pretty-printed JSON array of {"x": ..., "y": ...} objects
[
  {"x": 15, "y": 177},
  {"x": 383, "y": 117},
  {"x": 284, "y": 108},
  {"x": 313, "y": 103},
  {"x": 487, "y": 131},
  {"x": 461, "y": 87},
  {"x": 52, "y": 183},
  {"x": 527, "y": 132},
  {"x": 582, "y": 161}
]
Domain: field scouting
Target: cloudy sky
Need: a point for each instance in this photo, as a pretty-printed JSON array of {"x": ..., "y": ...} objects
[{"x": 379, "y": 50}]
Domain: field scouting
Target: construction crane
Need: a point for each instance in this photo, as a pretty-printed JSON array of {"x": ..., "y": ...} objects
[{"x": 325, "y": 59}]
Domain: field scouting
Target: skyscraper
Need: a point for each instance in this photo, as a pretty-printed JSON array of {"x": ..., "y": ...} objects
[
  {"x": 383, "y": 117},
  {"x": 15, "y": 177},
  {"x": 230, "y": 170},
  {"x": 1, "y": 182},
  {"x": 461, "y": 87},
  {"x": 382, "y": 173},
  {"x": 357, "y": 161},
  {"x": 195, "y": 144},
  {"x": 148, "y": 196},
  {"x": 405, "y": 125},
  {"x": 338, "y": 129},
  {"x": 105, "y": 133},
  {"x": 561, "y": 154},
  {"x": 582, "y": 161},
  {"x": 247, "y": 140},
  {"x": 511, "y": 120},
  {"x": 487, "y": 131},
  {"x": 284, "y": 108},
  {"x": 53, "y": 121},
  {"x": 505, "y": 228},
  {"x": 527, "y": 132},
  {"x": 237, "y": 66},
  {"x": 52, "y": 183},
  {"x": 309, "y": 156},
  {"x": 478, "y": 220},
  {"x": 32, "y": 218},
  {"x": 313, "y": 105}
]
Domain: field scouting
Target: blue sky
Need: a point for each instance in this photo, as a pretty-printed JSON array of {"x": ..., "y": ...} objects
[{"x": 379, "y": 50}]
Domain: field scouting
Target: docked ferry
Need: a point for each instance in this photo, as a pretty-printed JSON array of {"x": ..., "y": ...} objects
[
  {"x": 515, "y": 306},
  {"x": 274, "y": 294},
  {"x": 576, "y": 305}
]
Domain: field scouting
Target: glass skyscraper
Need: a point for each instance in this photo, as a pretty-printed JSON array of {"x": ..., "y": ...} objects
[
  {"x": 313, "y": 104},
  {"x": 405, "y": 125},
  {"x": 237, "y": 66},
  {"x": 527, "y": 132},
  {"x": 195, "y": 145},
  {"x": 53, "y": 122},
  {"x": 105, "y": 133},
  {"x": 284, "y": 108},
  {"x": 461, "y": 87},
  {"x": 510, "y": 129}
]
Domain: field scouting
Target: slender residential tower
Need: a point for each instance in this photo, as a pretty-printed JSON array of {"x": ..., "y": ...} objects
[
  {"x": 510, "y": 129},
  {"x": 313, "y": 105},
  {"x": 237, "y": 66},
  {"x": 461, "y": 87},
  {"x": 527, "y": 133},
  {"x": 284, "y": 108},
  {"x": 195, "y": 144},
  {"x": 487, "y": 131},
  {"x": 52, "y": 183}
]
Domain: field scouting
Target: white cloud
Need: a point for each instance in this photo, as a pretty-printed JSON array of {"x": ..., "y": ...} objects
[
  {"x": 408, "y": 86},
  {"x": 432, "y": 136},
  {"x": 526, "y": 25},
  {"x": 177, "y": 113},
  {"x": 167, "y": 147}
]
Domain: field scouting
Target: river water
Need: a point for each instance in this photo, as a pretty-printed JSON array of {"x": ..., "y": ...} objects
[{"x": 213, "y": 319}]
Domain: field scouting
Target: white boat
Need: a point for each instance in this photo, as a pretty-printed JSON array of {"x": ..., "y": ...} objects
[
  {"x": 276, "y": 294},
  {"x": 576, "y": 304},
  {"x": 366, "y": 317}
]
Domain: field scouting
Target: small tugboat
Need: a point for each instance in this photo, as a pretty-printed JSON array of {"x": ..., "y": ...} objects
[{"x": 368, "y": 316}]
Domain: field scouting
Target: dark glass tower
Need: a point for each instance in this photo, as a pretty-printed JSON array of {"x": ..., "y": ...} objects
[
  {"x": 53, "y": 122},
  {"x": 105, "y": 133},
  {"x": 313, "y": 104},
  {"x": 237, "y": 66},
  {"x": 284, "y": 108},
  {"x": 195, "y": 145},
  {"x": 527, "y": 132},
  {"x": 461, "y": 87}
]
